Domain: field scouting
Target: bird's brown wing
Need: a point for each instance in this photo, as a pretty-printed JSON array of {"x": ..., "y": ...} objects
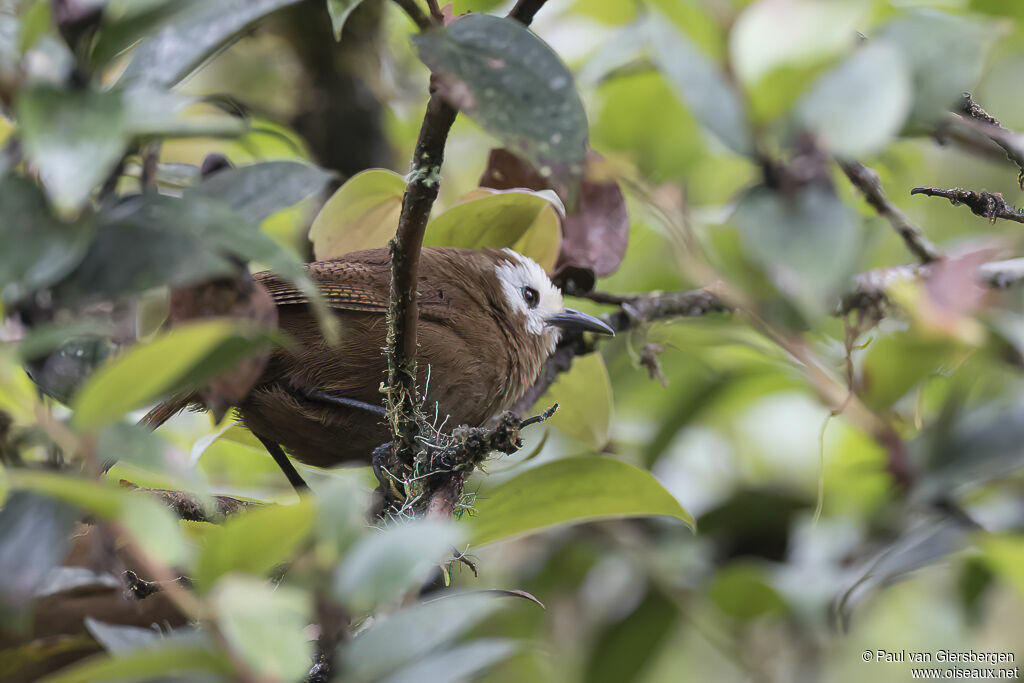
[
  {"x": 359, "y": 281},
  {"x": 353, "y": 285}
]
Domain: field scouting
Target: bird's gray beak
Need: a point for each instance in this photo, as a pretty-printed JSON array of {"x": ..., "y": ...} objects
[{"x": 572, "y": 319}]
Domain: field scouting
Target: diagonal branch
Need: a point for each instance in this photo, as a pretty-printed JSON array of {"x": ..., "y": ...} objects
[
  {"x": 1010, "y": 142},
  {"x": 866, "y": 180}
]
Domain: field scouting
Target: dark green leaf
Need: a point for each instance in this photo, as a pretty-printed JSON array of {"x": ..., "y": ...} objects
[
  {"x": 339, "y": 11},
  {"x": 192, "y": 36},
  {"x": 623, "y": 649},
  {"x": 386, "y": 563},
  {"x": 146, "y": 664},
  {"x": 264, "y": 625},
  {"x": 35, "y": 533},
  {"x": 411, "y": 633},
  {"x": 569, "y": 491},
  {"x": 39, "y": 249},
  {"x": 254, "y": 541},
  {"x": 259, "y": 190},
  {"x": 808, "y": 241},
  {"x": 945, "y": 55},
  {"x": 741, "y": 591},
  {"x": 702, "y": 84},
  {"x": 118, "y": 639},
  {"x": 510, "y": 82},
  {"x": 75, "y": 138},
  {"x": 464, "y": 662},
  {"x": 861, "y": 105}
]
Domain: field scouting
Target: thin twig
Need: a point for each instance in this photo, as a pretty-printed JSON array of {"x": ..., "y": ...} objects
[
  {"x": 985, "y": 204},
  {"x": 435, "y": 11},
  {"x": 524, "y": 11},
  {"x": 867, "y": 181}
]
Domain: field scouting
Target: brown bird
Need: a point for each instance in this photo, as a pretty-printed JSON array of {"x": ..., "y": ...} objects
[{"x": 488, "y": 321}]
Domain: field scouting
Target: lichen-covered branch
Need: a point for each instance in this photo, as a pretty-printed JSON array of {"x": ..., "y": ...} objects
[
  {"x": 190, "y": 508},
  {"x": 402, "y": 396},
  {"x": 985, "y": 204},
  {"x": 1012, "y": 143},
  {"x": 866, "y": 180}
]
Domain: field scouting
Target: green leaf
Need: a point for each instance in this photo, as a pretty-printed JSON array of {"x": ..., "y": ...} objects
[
  {"x": 265, "y": 626},
  {"x": 460, "y": 663},
  {"x": 118, "y": 639},
  {"x": 774, "y": 33},
  {"x": 75, "y": 138},
  {"x": 339, "y": 11},
  {"x": 384, "y": 564},
  {"x": 584, "y": 398},
  {"x": 741, "y": 591},
  {"x": 146, "y": 664},
  {"x": 192, "y": 36},
  {"x": 46, "y": 250},
  {"x": 569, "y": 491},
  {"x": 178, "y": 360},
  {"x": 412, "y": 633},
  {"x": 362, "y": 214},
  {"x": 627, "y": 646},
  {"x": 807, "y": 241},
  {"x": 896, "y": 363},
  {"x": 254, "y": 541},
  {"x": 861, "y": 105},
  {"x": 150, "y": 522},
  {"x": 945, "y": 55},
  {"x": 495, "y": 218},
  {"x": 260, "y": 190},
  {"x": 702, "y": 85},
  {"x": 510, "y": 82},
  {"x": 35, "y": 532}
]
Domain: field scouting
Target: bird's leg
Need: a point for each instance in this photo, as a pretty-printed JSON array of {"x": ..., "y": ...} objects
[
  {"x": 294, "y": 478},
  {"x": 347, "y": 402}
]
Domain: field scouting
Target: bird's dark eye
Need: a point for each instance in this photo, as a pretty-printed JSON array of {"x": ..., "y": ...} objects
[{"x": 531, "y": 297}]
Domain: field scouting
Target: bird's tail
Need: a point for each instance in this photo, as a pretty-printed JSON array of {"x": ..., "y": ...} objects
[{"x": 165, "y": 411}]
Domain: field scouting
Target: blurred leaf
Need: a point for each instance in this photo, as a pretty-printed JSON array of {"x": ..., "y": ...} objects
[
  {"x": 623, "y": 650},
  {"x": 491, "y": 218},
  {"x": 178, "y": 360},
  {"x": 192, "y": 36},
  {"x": 569, "y": 491},
  {"x": 774, "y": 33},
  {"x": 35, "y": 533},
  {"x": 362, "y": 214},
  {"x": 127, "y": 21},
  {"x": 463, "y": 662},
  {"x": 75, "y": 138},
  {"x": 969, "y": 450},
  {"x": 254, "y": 541},
  {"x": 510, "y": 82},
  {"x": 132, "y": 444},
  {"x": 584, "y": 398},
  {"x": 65, "y": 579},
  {"x": 741, "y": 591},
  {"x": 146, "y": 664},
  {"x": 807, "y": 241},
  {"x": 1010, "y": 8},
  {"x": 945, "y": 55},
  {"x": 702, "y": 85},
  {"x": 259, "y": 190},
  {"x": 895, "y": 363},
  {"x": 339, "y": 11},
  {"x": 861, "y": 105},
  {"x": 384, "y": 564},
  {"x": 60, "y": 373},
  {"x": 118, "y": 639},
  {"x": 151, "y": 523},
  {"x": 265, "y": 625},
  {"x": 1004, "y": 553},
  {"x": 685, "y": 404},
  {"x": 46, "y": 248},
  {"x": 412, "y": 633}
]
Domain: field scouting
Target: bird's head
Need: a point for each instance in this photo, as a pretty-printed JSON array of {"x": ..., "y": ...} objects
[{"x": 529, "y": 292}]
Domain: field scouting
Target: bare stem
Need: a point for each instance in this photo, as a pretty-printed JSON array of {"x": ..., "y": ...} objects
[
  {"x": 985, "y": 204},
  {"x": 866, "y": 180}
]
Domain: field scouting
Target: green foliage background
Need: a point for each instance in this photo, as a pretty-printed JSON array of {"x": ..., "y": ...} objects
[{"x": 807, "y": 550}]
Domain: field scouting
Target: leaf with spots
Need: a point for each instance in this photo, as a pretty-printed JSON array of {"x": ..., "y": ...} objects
[{"x": 510, "y": 82}]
